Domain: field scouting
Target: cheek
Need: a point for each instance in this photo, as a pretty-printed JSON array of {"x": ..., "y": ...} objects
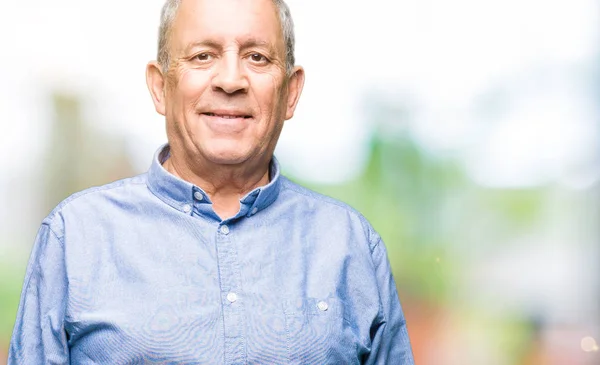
[
  {"x": 192, "y": 84},
  {"x": 269, "y": 91}
]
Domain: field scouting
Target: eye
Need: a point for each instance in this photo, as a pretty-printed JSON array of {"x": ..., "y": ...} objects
[
  {"x": 203, "y": 57},
  {"x": 258, "y": 58}
]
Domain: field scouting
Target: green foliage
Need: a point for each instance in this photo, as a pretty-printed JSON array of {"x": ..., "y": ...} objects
[
  {"x": 400, "y": 192},
  {"x": 425, "y": 207},
  {"x": 11, "y": 280}
]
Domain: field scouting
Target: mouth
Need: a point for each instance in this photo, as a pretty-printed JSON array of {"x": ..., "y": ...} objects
[{"x": 228, "y": 115}]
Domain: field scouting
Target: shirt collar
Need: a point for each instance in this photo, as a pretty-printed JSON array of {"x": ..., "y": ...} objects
[{"x": 179, "y": 193}]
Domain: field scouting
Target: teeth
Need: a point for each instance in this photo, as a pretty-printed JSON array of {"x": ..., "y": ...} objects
[{"x": 227, "y": 116}]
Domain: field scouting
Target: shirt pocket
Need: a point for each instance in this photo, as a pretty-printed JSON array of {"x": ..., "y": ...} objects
[{"x": 317, "y": 332}]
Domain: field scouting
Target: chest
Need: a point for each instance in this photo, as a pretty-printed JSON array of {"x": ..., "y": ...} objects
[{"x": 213, "y": 296}]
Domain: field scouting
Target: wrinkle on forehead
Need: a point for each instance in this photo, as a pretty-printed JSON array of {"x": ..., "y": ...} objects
[{"x": 183, "y": 36}]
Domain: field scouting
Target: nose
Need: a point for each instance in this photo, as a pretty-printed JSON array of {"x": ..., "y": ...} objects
[{"x": 230, "y": 77}]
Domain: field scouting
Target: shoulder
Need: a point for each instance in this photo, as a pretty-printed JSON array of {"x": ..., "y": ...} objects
[
  {"x": 337, "y": 211},
  {"x": 94, "y": 200}
]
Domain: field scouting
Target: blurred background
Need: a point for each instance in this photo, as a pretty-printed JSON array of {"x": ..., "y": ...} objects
[{"x": 467, "y": 132}]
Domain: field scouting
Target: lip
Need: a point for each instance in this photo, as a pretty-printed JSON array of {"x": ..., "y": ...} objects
[
  {"x": 227, "y": 114},
  {"x": 226, "y": 122}
]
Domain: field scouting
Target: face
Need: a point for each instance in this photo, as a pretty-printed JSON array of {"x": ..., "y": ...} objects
[{"x": 226, "y": 94}]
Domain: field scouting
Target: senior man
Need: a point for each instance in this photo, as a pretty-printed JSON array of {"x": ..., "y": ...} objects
[{"x": 212, "y": 257}]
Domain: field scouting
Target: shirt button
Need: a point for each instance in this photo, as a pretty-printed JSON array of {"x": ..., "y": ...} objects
[
  {"x": 198, "y": 195},
  {"x": 232, "y": 297},
  {"x": 224, "y": 229},
  {"x": 254, "y": 210},
  {"x": 187, "y": 208},
  {"x": 322, "y": 306}
]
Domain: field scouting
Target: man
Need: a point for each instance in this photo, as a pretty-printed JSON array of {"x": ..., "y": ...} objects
[{"x": 212, "y": 257}]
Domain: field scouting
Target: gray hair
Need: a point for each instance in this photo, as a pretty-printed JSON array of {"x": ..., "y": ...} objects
[{"x": 169, "y": 11}]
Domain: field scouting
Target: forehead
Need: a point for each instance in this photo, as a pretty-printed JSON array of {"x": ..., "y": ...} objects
[{"x": 225, "y": 21}]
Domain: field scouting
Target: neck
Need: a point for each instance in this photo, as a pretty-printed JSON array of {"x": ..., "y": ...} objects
[{"x": 224, "y": 184}]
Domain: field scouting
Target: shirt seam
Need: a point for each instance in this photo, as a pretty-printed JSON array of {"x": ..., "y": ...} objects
[
  {"x": 30, "y": 270},
  {"x": 328, "y": 200},
  {"x": 381, "y": 311},
  {"x": 59, "y": 238},
  {"x": 114, "y": 185},
  {"x": 320, "y": 197}
]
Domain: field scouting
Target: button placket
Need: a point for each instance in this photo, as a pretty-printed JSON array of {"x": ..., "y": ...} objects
[{"x": 232, "y": 305}]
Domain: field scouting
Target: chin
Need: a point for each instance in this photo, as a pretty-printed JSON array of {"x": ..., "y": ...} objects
[
  {"x": 228, "y": 152},
  {"x": 227, "y": 160},
  {"x": 226, "y": 157}
]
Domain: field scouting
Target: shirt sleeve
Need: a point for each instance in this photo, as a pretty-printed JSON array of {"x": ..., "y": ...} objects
[
  {"x": 39, "y": 335},
  {"x": 390, "y": 344}
]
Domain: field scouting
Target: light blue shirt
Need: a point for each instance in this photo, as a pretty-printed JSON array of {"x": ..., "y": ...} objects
[{"x": 143, "y": 271}]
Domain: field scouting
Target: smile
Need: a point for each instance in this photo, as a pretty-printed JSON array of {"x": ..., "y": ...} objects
[{"x": 228, "y": 116}]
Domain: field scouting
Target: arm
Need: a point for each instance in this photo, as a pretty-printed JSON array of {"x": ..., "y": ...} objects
[
  {"x": 39, "y": 335},
  {"x": 390, "y": 343}
]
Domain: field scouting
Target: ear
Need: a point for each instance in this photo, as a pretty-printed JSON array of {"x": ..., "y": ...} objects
[
  {"x": 295, "y": 85},
  {"x": 156, "y": 85}
]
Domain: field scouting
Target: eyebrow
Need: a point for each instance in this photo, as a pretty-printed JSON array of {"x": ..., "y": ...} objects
[
  {"x": 207, "y": 43},
  {"x": 254, "y": 42}
]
